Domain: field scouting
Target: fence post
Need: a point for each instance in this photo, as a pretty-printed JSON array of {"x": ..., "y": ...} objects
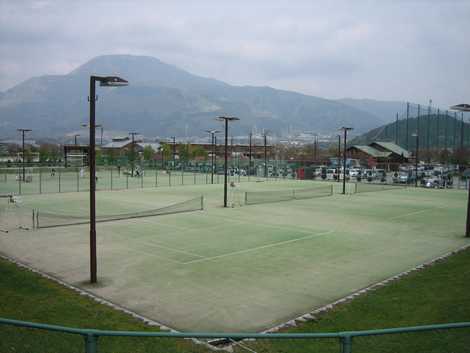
[
  {"x": 346, "y": 344},
  {"x": 91, "y": 343},
  {"x": 111, "y": 177}
]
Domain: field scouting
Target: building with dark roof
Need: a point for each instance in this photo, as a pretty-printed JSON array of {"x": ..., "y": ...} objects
[{"x": 386, "y": 155}]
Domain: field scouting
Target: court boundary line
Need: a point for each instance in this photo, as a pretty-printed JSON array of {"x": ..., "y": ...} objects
[
  {"x": 415, "y": 212},
  {"x": 257, "y": 248}
]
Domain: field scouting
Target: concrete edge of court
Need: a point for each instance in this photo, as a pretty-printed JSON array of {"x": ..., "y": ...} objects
[{"x": 309, "y": 316}]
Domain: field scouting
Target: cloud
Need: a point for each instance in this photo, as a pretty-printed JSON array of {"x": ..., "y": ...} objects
[{"x": 407, "y": 50}]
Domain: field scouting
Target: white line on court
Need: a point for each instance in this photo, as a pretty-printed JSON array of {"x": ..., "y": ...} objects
[
  {"x": 415, "y": 212},
  {"x": 157, "y": 245},
  {"x": 257, "y": 248},
  {"x": 157, "y": 256}
]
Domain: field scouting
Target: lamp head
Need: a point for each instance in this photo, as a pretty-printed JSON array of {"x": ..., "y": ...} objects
[
  {"x": 113, "y": 81},
  {"x": 229, "y": 118},
  {"x": 461, "y": 107}
]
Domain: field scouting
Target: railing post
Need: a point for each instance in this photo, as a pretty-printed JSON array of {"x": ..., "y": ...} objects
[
  {"x": 91, "y": 343},
  {"x": 346, "y": 344}
]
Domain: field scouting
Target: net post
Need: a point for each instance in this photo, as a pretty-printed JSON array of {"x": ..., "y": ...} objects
[
  {"x": 202, "y": 202},
  {"x": 293, "y": 194},
  {"x": 127, "y": 181},
  {"x": 169, "y": 178},
  {"x": 37, "y": 219},
  {"x": 355, "y": 188},
  {"x": 142, "y": 179},
  {"x": 59, "y": 181},
  {"x": 331, "y": 190},
  {"x": 33, "y": 217},
  {"x": 91, "y": 343},
  {"x": 78, "y": 179},
  {"x": 194, "y": 178},
  {"x": 156, "y": 177},
  {"x": 111, "y": 177},
  {"x": 19, "y": 182},
  {"x": 246, "y": 198}
]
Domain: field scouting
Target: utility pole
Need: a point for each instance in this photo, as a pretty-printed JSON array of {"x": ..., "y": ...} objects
[
  {"x": 213, "y": 139},
  {"x": 23, "y": 131},
  {"x": 133, "y": 151}
]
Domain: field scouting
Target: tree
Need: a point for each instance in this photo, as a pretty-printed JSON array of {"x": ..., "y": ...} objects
[{"x": 148, "y": 153}]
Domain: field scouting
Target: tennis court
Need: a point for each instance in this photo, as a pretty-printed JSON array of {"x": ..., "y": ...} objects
[{"x": 245, "y": 268}]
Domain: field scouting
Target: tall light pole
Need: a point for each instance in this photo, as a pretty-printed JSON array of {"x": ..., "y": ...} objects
[
  {"x": 265, "y": 136},
  {"x": 226, "y": 119},
  {"x": 250, "y": 156},
  {"x": 109, "y": 81},
  {"x": 339, "y": 157},
  {"x": 174, "y": 152},
  {"x": 416, "y": 135},
  {"x": 345, "y": 131},
  {"x": 465, "y": 108},
  {"x": 133, "y": 133},
  {"x": 212, "y": 132},
  {"x": 23, "y": 131}
]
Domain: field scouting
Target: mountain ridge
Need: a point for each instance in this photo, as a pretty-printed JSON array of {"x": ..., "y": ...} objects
[{"x": 163, "y": 99}]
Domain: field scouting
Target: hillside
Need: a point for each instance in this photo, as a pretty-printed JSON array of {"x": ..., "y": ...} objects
[
  {"x": 435, "y": 131},
  {"x": 165, "y": 100}
]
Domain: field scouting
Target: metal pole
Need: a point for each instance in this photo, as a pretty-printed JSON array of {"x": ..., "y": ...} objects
[
  {"x": 133, "y": 151},
  {"x": 446, "y": 123},
  {"x": 101, "y": 139},
  {"x": 91, "y": 159},
  {"x": 249, "y": 161},
  {"x": 22, "y": 159},
  {"x": 345, "y": 129},
  {"x": 396, "y": 130},
  {"x": 407, "y": 124},
  {"x": 225, "y": 164},
  {"x": 437, "y": 128},
  {"x": 212, "y": 158},
  {"x": 416, "y": 160},
  {"x": 265, "y": 157},
  {"x": 339, "y": 156},
  {"x": 174, "y": 152},
  {"x": 461, "y": 133},
  {"x": 428, "y": 132}
]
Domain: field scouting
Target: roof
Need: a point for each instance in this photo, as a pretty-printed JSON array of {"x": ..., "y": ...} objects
[
  {"x": 371, "y": 151},
  {"x": 392, "y": 147},
  {"x": 117, "y": 144},
  {"x": 155, "y": 145}
]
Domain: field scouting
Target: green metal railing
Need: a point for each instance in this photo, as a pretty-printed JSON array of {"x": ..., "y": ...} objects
[{"x": 345, "y": 338}]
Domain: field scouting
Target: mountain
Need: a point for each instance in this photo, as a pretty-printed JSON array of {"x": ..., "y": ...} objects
[
  {"x": 384, "y": 110},
  {"x": 435, "y": 131},
  {"x": 162, "y": 99}
]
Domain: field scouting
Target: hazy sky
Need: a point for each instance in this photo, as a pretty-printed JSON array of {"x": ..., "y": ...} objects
[{"x": 391, "y": 50}]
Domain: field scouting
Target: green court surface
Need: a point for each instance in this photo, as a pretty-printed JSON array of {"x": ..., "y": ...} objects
[{"x": 244, "y": 268}]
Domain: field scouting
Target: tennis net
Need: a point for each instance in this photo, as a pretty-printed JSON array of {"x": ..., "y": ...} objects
[
  {"x": 371, "y": 187},
  {"x": 256, "y": 197},
  {"x": 49, "y": 220}
]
